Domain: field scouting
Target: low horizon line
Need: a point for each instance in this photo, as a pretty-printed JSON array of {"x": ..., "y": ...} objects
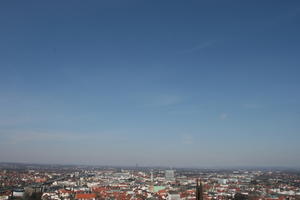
[{"x": 153, "y": 166}]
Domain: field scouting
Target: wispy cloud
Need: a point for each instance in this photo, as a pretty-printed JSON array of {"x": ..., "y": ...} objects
[
  {"x": 250, "y": 106},
  {"x": 187, "y": 139},
  {"x": 19, "y": 137},
  {"x": 165, "y": 100},
  {"x": 198, "y": 47},
  {"x": 223, "y": 116}
]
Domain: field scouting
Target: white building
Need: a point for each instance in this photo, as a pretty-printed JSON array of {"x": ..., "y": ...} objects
[{"x": 169, "y": 175}]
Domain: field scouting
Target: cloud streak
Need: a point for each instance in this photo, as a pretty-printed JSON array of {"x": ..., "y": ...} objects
[
  {"x": 223, "y": 116},
  {"x": 187, "y": 139},
  {"x": 26, "y": 137},
  {"x": 165, "y": 100},
  {"x": 32, "y": 136},
  {"x": 250, "y": 106},
  {"x": 198, "y": 47}
]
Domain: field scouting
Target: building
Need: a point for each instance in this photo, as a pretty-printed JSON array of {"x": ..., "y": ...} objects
[
  {"x": 169, "y": 175},
  {"x": 89, "y": 196},
  {"x": 18, "y": 193},
  {"x": 199, "y": 190},
  {"x": 173, "y": 196}
]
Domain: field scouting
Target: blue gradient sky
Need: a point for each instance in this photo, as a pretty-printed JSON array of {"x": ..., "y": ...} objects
[{"x": 171, "y": 83}]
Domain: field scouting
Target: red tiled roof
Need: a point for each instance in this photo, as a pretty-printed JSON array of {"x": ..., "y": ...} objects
[
  {"x": 65, "y": 191},
  {"x": 85, "y": 196}
]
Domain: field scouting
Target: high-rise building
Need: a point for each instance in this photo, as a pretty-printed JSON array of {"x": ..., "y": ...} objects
[{"x": 151, "y": 176}]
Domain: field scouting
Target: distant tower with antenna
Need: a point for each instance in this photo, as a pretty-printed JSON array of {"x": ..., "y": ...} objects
[{"x": 151, "y": 187}]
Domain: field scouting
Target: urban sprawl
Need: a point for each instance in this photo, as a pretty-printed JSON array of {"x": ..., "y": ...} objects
[{"x": 26, "y": 182}]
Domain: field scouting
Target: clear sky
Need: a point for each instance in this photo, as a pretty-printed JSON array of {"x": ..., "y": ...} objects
[{"x": 165, "y": 83}]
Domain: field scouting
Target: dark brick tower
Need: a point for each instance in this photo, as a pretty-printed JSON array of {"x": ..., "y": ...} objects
[{"x": 199, "y": 190}]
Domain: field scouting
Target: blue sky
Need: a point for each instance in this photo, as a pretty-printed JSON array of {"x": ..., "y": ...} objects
[{"x": 164, "y": 83}]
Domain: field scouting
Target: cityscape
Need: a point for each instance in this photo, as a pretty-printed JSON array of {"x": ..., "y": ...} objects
[
  {"x": 58, "y": 182},
  {"x": 149, "y": 99}
]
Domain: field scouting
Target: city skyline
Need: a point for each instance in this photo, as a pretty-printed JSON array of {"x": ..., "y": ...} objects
[{"x": 193, "y": 84}]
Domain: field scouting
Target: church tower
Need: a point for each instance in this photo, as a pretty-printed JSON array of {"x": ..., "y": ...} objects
[{"x": 199, "y": 190}]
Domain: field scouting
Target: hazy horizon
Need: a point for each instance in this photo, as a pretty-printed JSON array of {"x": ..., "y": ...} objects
[
  {"x": 164, "y": 83},
  {"x": 136, "y": 166}
]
